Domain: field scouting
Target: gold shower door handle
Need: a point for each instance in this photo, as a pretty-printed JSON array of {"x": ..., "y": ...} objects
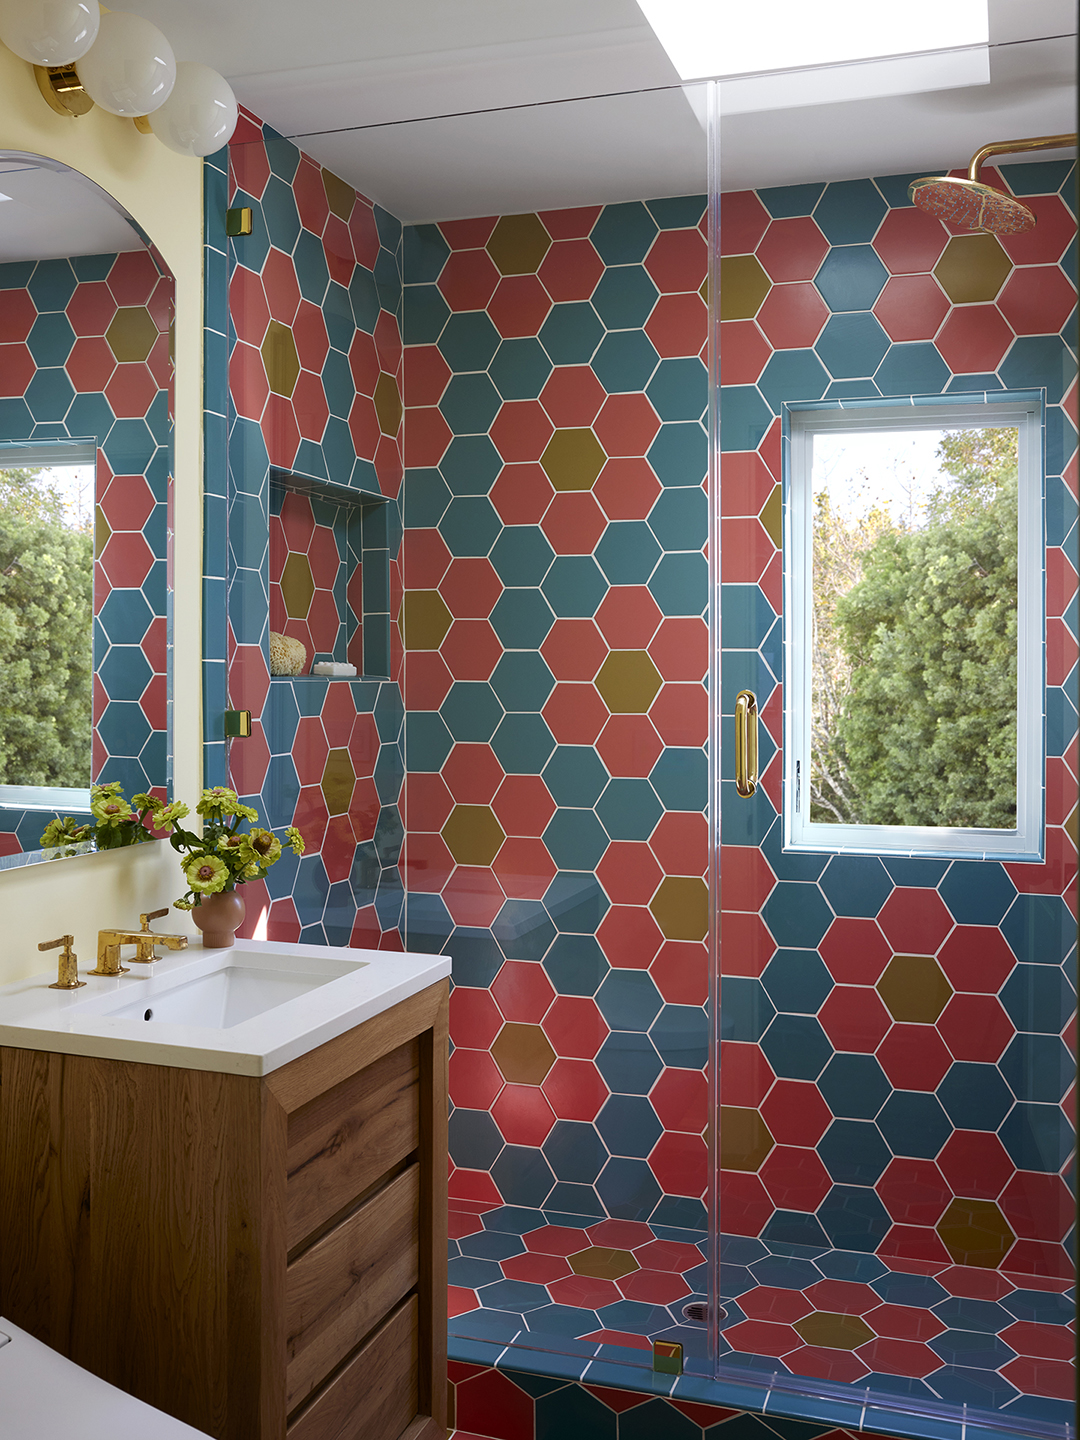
[{"x": 746, "y": 776}]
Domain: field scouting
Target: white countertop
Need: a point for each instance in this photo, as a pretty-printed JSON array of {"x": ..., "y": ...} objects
[
  {"x": 358, "y": 985},
  {"x": 43, "y": 1396}
]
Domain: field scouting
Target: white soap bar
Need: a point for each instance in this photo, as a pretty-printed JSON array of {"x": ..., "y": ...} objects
[{"x": 333, "y": 667}]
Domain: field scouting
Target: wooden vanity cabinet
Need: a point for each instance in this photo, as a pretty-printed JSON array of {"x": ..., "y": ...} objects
[{"x": 264, "y": 1258}]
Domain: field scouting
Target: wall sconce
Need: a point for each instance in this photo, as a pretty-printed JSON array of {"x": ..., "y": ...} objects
[{"x": 123, "y": 63}]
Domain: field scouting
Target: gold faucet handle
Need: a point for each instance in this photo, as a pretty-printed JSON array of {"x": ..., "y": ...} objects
[
  {"x": 144, "y": 920},
  {"x": 68, "y": 973}
]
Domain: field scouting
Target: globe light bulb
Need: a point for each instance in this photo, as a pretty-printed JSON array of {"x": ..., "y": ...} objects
[
  {"x": 49, "y": 32},
  {"x": 130, "y": 69},
  {"x": 200, "y": 115}
]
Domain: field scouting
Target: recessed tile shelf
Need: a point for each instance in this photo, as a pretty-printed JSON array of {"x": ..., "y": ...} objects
[{"x": 330, "y": 572}]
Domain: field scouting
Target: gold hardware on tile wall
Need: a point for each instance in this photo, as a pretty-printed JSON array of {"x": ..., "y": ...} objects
[
  {"x": 238, "y": 220},
  {"x": 237, "y": 724},
  {"x": 667, "y": 1357}
]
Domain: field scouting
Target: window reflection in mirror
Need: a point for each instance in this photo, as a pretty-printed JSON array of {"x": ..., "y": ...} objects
[
  {"x": 913, "y": 568},
  {"x": 86, "y": 379}
]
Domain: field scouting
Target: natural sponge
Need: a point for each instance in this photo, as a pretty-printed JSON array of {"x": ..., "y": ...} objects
[{"x": 287, "y": 656}]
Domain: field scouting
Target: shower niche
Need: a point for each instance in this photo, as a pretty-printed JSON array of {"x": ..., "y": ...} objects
[{"x": 330, "y": 571}]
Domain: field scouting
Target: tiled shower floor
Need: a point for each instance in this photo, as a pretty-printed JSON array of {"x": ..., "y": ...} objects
[{"x": 911, "y": 1330}]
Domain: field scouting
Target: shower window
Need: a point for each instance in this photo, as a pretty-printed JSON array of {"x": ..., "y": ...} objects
[{"x": 914, "y": 654}]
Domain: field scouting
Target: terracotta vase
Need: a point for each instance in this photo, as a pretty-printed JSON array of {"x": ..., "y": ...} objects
[{"x": 219, "y": 917}]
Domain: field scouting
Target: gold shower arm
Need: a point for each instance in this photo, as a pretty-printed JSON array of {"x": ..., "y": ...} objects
[{"x": 1014, "y": 147}]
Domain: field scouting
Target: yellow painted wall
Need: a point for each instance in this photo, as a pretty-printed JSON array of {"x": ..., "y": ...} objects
[{"x": 163, "y": 192}]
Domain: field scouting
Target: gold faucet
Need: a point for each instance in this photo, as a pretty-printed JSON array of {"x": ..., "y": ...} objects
[
  {"x": 68, "y": 974},
  {"x": 144, "y": 939}
]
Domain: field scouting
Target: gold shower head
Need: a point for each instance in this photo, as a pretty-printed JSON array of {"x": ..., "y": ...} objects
[{"x": 977, "y": 206}]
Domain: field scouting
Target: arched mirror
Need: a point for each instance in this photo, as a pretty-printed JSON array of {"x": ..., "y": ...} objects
[{"x": 86, "y": 418}]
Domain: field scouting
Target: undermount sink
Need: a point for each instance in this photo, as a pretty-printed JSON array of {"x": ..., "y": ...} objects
[{"x": 245, "y": 1010}]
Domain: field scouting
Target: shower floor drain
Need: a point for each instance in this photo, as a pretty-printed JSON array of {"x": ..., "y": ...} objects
[{"x": 698, "y": 1312}]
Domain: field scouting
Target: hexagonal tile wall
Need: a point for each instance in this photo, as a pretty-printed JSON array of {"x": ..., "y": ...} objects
[{"x": 84, "y": 351}]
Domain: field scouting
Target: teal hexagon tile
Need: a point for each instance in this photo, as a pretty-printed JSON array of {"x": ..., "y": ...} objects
[
  {"x": 338, "y": 449},
  {"x": 471, "y": 464},
  {"x": 1039, "y": 1067},
  {"x": 680, "y": 453},
  {"x": 338, "y": 383},
  {"x": 796, "y": 1047},
  {"x": 681, "y": 1036},
  {"x": 1061, "y": 511},
  {"x": 16, "y": 422},
  {"x": 469, "y": 404},
  {"x": 248, "y": 606},
  {"x": 1037, "y": 1137},
  {"x": 16, "y": 275},
  {"x": 571, "y": 333},
  {"x": 471, "y": 711},
  {"x": 522, "y": 680},
  {"x": 575, "y": 775},
  {"x": 977, "y": 892},
  {"x": 426, "y": 496},
  {"x": 522, "y": 743},
  {"x": 624, "y": 361},
  {"x": 470, "y": 525},
  {"x": 850, "y": 211},
  {"x": 91, "y": 414},
  {"x": 575, "y": 839},
  {"x": 576, "y": 965},
  {"x": 629, "y": 1000},
  {"x": 125, "y": 672},
  {"x": 894, "y": 188},
  {"x": 280, "y": 214},
  {"x": 468, "y": 341},
  {"x": 1039, "y": 360},
  {"x": 852, "y": 344},
  {"x": 681, "y": 778},
  {"x": 310, "y": 460},
  {"x": 1041, "y": 177},
  {"x": 856, "y": 885},
  {"x": 797, "y": 915},
  {"x": 680, "y": 584},
  {"x": 427, "y": 311},
  {"x": 623, "y": 233},
  {"x": 679, "y": 389},
  {"x": 428, "y": 924},
  {"x": 625, "y": 296},
  {"x": 520, "y": 369},
  {"x": 1060, "y": 439},
  {"x": 682, "y": 212},
  {"x": 746, "y": 617},
  {"x": 309, "y": 260},
  {"x": 521, "y": 555},
  {"x": 282, "y": 155},
  {"x": 124, "y": 729},
  {"x": 522, "y": 618},
  {"x": 49, "y": 395},
  {"x": 854, "y": 1152},
  {"x": 974, "y": 1096},
  {"x": 851, "y": 277},
  {"x": 50, "y": 340},
  {"x": 388, "y": 226},
  {"x": 629, "y": 809},
  {"x": 424, "y": 252},
  {"x": 1060, "y": 721},
  {"x": 574, "y": 586},
  {"x": 427, "y": 740},
  {"x": 129, "y": 447},
  {"x": 915, "y": 872},
  {"x": 744, "y": 417},
  {"x": 628, "y": 552},
  {"x": 793, "y": 375},
  {"x": 1039, "y": 928},
  {"x": 912, "y": 369},
  {"x": 524, "y": 931},
  {"x": 338, "y": 314},
  {"x": 52, "y": 284},
  {"x": 1038, "y": 999},
  {"x": 680, "y": 518},
  {"x": 784, "y": 202},
  {"x": 630, "y": 1065}
]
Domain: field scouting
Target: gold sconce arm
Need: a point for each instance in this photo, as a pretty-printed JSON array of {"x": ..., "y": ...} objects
[{"x": 746, "y": 748}]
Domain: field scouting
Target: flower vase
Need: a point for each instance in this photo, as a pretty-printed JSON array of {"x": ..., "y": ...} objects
[{"x": 219, "y": 917}]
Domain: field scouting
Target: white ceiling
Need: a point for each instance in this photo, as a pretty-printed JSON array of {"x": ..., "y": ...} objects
[
  {"x": 49, "y": 212},
  {"x": 440, "y": 109}
]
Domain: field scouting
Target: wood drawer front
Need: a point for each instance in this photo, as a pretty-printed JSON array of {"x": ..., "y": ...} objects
[
  {"x": 339, "y": 1289},
  {"x": 376, "y": 1394},
  {"x": 341, "y": 1142}
]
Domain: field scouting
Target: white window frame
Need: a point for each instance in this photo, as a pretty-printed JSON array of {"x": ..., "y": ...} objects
[
  {"x": 1025, "y": 842},
  {"x": 45, "y": 453}
]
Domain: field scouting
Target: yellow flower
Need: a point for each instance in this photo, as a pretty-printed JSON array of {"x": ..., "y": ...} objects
[
  {"x": 111, "y": 810},
  {"x": 147, "y": 802},
  {"x": 266, "y": 847},
  {"x": 295, "y": 839},
  {"x": 170, "y": 815},
  {"x": 206, "y": 874},
  {"x": 217, "y": 801}
]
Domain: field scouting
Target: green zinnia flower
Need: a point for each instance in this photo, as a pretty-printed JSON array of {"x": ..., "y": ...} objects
[
  {"x": 206, "y": 874},
  {"x": 265, "y": 846},
  {"x": 170, "y": 815},
  {"x": 111, "y": 810},
  {"x": 217, "y": 801},
  {"x": 295, "y": 839}
]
